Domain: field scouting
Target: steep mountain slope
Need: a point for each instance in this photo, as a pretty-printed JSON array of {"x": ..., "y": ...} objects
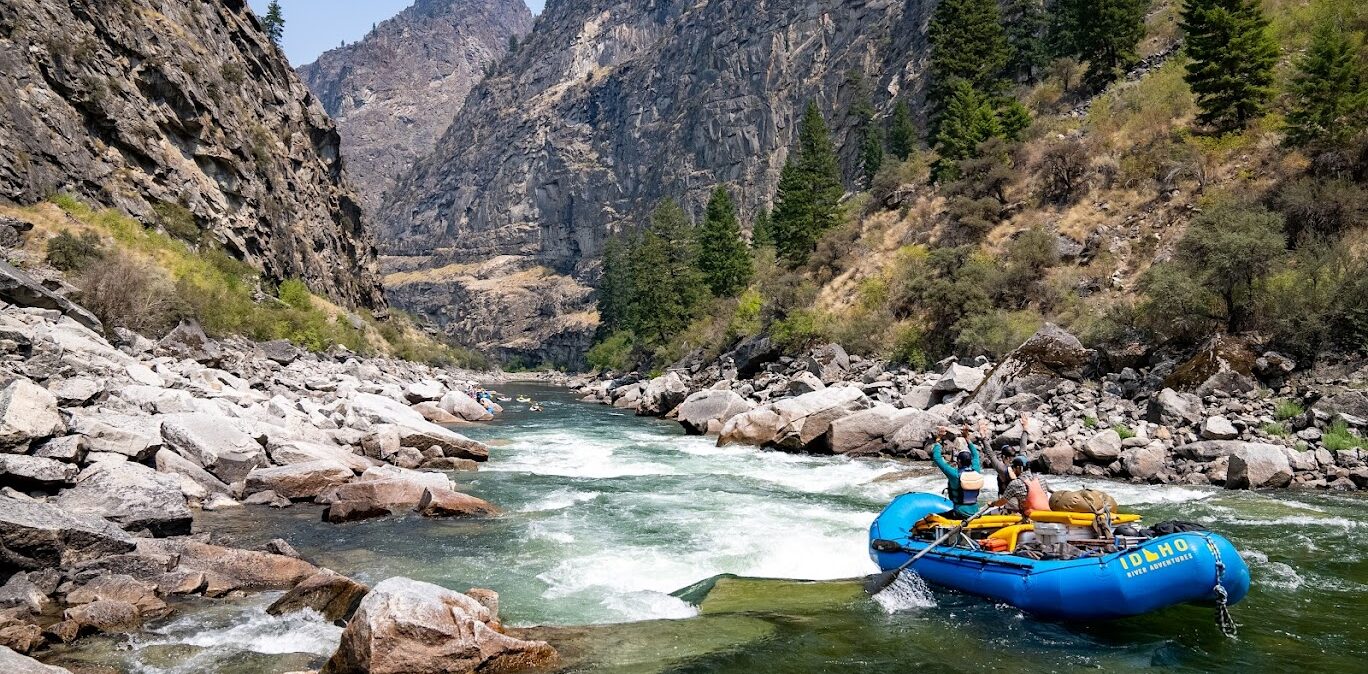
[
  {"x": 184, "y": 115},
  {"x": 609, "y": 106},
  {"x": 393, "y": 93}
]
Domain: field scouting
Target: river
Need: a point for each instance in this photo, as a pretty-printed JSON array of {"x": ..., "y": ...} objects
[{"x": 609, "y": 515}]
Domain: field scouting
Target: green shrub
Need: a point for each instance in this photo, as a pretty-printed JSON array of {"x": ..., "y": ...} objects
[
  {"x": 1090, "y": 423},
  {"x": 177, "y": 220},
  {"x": 1123, "y": 431},
  {"x": 797, "y": 330},
  {"x": 1339, "y": 437},
  {"x": 908, "y": 347},
  {"x": 745, "y": 320},
  {"x": 997, "y": 333},
  {"x": 613, "y": 353},
  {"x": 294, "y": 293},
  {"x": 1275, "y": 430},
  {"x": 68, "y": 252},
  {"x": 1287, "y": 409}
]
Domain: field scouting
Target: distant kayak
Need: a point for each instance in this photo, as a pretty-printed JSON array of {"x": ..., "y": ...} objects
[{"x": 1141, "y": 576}]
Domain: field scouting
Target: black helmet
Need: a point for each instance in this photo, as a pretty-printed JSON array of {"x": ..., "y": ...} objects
[
  {"x": 1021, "y": 461},
  {"x": 964, "y": 458}
]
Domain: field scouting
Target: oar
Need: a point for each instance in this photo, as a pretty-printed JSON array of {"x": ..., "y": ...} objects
[{"x": 878, "y": 583}]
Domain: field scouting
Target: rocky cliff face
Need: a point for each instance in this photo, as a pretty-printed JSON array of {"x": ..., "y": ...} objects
[
  {"x": 609, "y": 106},
  {"x": 162, "y": 108},
  {"x": 395, "y": 92}
]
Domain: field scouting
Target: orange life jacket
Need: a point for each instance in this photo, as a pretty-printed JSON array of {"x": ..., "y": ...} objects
[{"x": 1036, "y": 498}]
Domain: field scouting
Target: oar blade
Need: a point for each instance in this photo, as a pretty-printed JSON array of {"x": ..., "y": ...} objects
[{"x": 879, "y": 583}]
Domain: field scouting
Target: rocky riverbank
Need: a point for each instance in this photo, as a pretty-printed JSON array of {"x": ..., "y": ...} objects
[
  {"x": 107, "y": 449},
  {"x": 1222, "y": 416}
]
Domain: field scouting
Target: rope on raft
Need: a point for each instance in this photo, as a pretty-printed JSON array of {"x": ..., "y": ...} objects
[{"x": 1224, "y": 620}]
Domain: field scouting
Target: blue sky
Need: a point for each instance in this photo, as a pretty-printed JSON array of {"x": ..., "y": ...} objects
[{"x": 315, "y": 26}]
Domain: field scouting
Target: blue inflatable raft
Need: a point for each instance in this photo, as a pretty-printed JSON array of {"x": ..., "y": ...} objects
[{"x": 1161, "y": 572}]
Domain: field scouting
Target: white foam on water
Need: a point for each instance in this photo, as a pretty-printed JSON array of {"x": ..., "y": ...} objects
[
  {"x": 907, "y": 592},
  {"x": 1279, "y": 575},
  {"x": 1288, "y": 520},
  {"x": 249, "y": 628},
  {"x": 565, "y": 454},
  {"x": 646, "y": 605},
  {"x": 559, "y": 500}
]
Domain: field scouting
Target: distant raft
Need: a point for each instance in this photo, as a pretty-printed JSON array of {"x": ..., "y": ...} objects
[{"x": 1143, "y": 574}]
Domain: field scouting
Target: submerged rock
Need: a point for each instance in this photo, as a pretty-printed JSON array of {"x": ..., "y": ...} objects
[{"x": 404, "y": 626}]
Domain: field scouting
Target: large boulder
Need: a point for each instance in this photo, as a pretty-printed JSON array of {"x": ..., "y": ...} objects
[
  {"x": 1057, "y": 459},
  {"x": 1173, "y": 409},
  {"x": 189, "y": 341},
  {"x": 438, "y": 502},
  {"x": 829, "y": 363},
  {"x": 1036, "y": 366},
  {"x": 120, "y": 587},
  {"x": 453, "y": 444},
  {"x": 28, "y": 412},
  {"x": 33, "y": 472},
  {"x": 333, "y": 595},
  {"x": 172, "y": 463},
  {"x": 405, "y": 626},
  {"x": 104, "y": 616},
  {"x": 298, "y": 481},
  {"x": 14, "y": 663},
  {"x": 1255, "y": 465},
  {"x": 464, "y": 407},
  {"x": 229, "y": 569},
  {"x": 131, "y": 495},
  {"x": 869, "y": 431},
  {"x": 36, "y": 535},
  {"x": 795, "y": 424},
  {"x": 22, "y": 290},
  {"x": 227, "y": 448},
  {"x": 1208, "y": 450},
  {"x": 705, "y": 408},
  {"x": 915, "y": 431},
  {"x": 958, "y": 378},
  {"x": 1103, "y": 447},
  {"x": 289, "y": 452},
  {"x": 381, "y": 491},
  {"x": 1144, "y": 463},
  {"x": 1222, "y": 363},
  {"x": 135, "y": 436},
  {"x": 1219, "y": 428},
  {"x": 662, "y": 395}
]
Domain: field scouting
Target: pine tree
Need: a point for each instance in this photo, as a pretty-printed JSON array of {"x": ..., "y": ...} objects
[
  {"x": 512, "y": 43},
  {"x": 615, "y": 289},
  {"x": 1104, "y": 33},
  {"x": 667, "y": 287},
  {"x": 967, "y": 43},
  {"x": 1328, "y": 91},
  {"x": 1024, "y": 21},
  {"x": 969, "y": 119},
  {"x": 810, "y": 190},
  {"x": 762, "y": 235},
  {"x": 274, "y": 22},
  {"x": 872, "y": 154},
  {"x": 722, "y": 255},
  {"x": 1232, "y": 54},
  {"x": 902, "y": 132}
]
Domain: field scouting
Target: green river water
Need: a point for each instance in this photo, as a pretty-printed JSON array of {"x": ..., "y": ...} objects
[{"x": 608, "y": 514}]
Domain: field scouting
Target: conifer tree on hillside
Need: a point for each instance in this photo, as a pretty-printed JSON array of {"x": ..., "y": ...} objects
[
  {"x": 722, "y": 254},
  {"x": 1232, "y": 54},
  {"x": 1105, "y": 33},
  {"x": 615, "y": 288},
  {"x": 869, "y": 132},
  {"x": 666, "y": 286},
  {"x": 969, "y": 119},
  {"x": 274, "y": 22},
  {"x": 902, "y": 132},
  {"x": 968, "y": 43},
  {"x": 1024, "y": 21},
  {"x": 871, "y": 154},
  {"x": 762, "y": 235},
  {"x": 810, "y": 190},
  {"x": 1329, "y": 99}
]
